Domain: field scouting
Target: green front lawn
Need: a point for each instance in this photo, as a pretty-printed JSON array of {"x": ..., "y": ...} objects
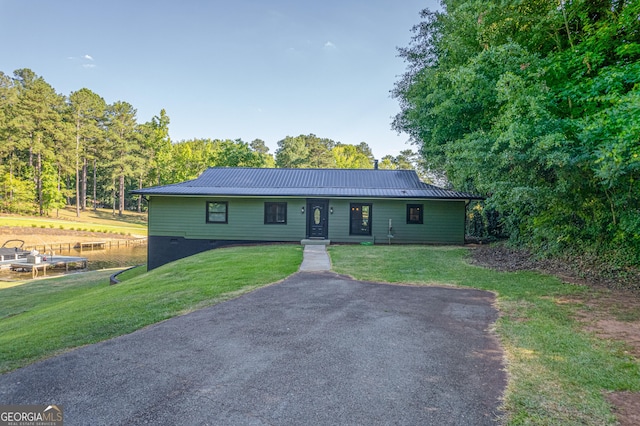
[
  {"x": 557, "y": 372},
  {"x": 45, "y": 317}
]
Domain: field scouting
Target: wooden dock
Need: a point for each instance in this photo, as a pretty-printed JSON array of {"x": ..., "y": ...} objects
[
  {"x": 93, "y": 245},
  {"x": 51, "y": 263},
  {"x": 67, "y": 247}
]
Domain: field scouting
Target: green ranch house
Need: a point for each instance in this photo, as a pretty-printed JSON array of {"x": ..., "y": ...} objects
[{"x": 227, "y": 206}]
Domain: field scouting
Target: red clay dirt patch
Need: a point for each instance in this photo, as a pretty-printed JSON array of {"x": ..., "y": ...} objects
[
  {"x": 611, "y": 310},
  {"x": 613, "y": 315},
  {"x": 625, "y": 407}
]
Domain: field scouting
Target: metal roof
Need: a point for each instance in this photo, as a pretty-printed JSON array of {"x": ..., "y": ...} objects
[{"x": 370, "y": 183}]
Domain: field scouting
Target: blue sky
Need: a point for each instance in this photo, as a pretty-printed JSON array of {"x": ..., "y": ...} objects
[{"x": 226, "y": 70}]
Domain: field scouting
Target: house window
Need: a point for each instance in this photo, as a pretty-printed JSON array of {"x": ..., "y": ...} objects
[
  {"x": 275, "y": 213},
  {"x": 414, "y": 213},
  {"x": 217, "y": 212},
  {"x": 360, "y": 223}
]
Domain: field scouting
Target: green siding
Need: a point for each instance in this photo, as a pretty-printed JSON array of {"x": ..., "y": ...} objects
[
  {"x": 443, "y": 222},
  {"x": 186, "y": 217}
]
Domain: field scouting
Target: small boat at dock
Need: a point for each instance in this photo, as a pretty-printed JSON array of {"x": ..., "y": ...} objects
[
  {"x": 12, "y": 250},
  {"x": 15, "y": 258}
]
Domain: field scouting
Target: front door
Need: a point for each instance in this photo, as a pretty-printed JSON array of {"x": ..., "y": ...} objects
[{"x": 318, "y": 219}]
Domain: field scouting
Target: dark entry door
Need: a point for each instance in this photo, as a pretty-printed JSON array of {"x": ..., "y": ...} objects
[{"x": 317, "y": 219}]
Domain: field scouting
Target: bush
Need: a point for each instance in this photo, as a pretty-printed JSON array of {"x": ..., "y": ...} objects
[{"x": 483, "y": 223}]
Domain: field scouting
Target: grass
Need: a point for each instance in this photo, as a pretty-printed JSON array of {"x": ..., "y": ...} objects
[
  {"x": 557, "y": 372},
  {"x": 43, "y": 318},
  {"x": 101, "y": 220},
  {"x": 7, "y": 284},
  {"x": 132, "y": 273}
]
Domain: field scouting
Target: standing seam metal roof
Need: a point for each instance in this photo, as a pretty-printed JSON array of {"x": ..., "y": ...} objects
[{"x": 307, "y": 183}]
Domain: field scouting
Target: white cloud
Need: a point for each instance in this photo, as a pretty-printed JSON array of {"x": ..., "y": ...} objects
[
  {"x": 89, "y": 57},
  {"x": 329, "y": 45},
  {"x": 88, "y": 65}
]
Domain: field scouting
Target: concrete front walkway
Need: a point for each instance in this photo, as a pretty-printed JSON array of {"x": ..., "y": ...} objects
[{"x": 316, "y": 258}]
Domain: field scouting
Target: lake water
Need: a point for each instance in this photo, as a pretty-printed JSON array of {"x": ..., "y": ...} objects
[
  {"x": 98, "y": 259},
  {"x": 112, "y": 258}
]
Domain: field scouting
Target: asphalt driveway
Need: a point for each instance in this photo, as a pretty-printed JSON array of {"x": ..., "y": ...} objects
[{"x": 317, "y": 348}]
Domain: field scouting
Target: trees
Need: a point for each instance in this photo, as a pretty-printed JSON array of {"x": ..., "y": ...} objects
[
  {"x": 259, "y": 146},
  {"x": 350, "y": 157},
  {"x": 16, "y": 195},
  {"x": 190, "y": 158},
  {"x": 410, "y": 160},
  {"x": 123, "y": 140},
  {"x": 293, "y": 153},
  {"x": 236, "y": 154},
  {"x": 365, "y": 150},
  {"x": 158, "y": 149},
  {"x": 320, "y": 156},
  {"x": 305, "y": 151},
  {"x": 535, "y": 104},
  {"x": 48, "y": 142},
  {"x": 87, "y": 110},
  {"x": 154, "y": 163},
  {"x": 36, "y": 125},
  {"x": 54, "y": 148},
  {"x": 310, "y": 151}
]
